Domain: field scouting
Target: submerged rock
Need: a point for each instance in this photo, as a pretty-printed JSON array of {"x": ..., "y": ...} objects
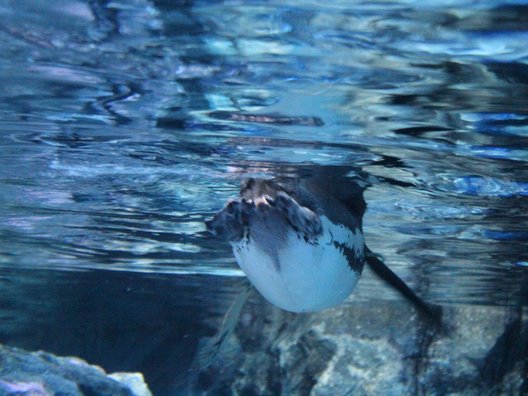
[
  {"x": 43, "y": 374},
  {"x": 380, "y": 348}
]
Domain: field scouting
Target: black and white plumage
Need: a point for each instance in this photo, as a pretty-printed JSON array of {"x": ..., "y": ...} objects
[{"x": 300, "y": 240}]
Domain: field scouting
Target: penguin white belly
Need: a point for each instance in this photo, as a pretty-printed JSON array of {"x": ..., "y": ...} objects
[{"x": 305, "y": 276}]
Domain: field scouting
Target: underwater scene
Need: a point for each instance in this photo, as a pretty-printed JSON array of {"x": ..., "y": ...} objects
[{"x": 263, "y": 197}]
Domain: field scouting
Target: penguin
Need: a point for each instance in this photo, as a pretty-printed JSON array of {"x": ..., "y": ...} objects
[{"x": 300, "y": 241}]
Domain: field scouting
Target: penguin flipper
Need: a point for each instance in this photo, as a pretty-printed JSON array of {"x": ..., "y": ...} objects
[
  {"x": 207, "y": 354},
  {"x": 386, "y": 274}
]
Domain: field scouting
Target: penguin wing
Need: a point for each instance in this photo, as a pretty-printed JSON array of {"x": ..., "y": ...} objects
[
  {"x": 208, "y": 352},
  {"x": 386, "y": 274}
]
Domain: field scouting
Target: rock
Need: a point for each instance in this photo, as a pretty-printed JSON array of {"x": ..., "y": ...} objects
[
  {"x": 42, "y": 374},
  {"x": 134, "y": 381},
  {"x": 378, "y": 348}
]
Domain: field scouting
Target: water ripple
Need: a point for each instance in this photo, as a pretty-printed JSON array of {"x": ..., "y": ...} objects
[{"x": 125, "y": 124}]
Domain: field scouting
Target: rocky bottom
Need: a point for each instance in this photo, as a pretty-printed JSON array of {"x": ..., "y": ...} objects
[
  {"x": 44, "y": 374},
  {"x": 379, "y": 348}
]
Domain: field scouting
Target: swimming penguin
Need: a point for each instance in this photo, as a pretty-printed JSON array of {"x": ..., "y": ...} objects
[{"x": 300, "y": 240}]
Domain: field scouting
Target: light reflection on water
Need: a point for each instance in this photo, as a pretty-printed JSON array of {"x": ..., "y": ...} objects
[{"x": 125, "y": 124}]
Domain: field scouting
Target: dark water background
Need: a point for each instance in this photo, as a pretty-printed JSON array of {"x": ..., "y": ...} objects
[{"x": 123, "y": 124}]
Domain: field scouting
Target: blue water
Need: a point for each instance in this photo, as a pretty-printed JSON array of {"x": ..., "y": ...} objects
[{"x": 124, "y": 124}]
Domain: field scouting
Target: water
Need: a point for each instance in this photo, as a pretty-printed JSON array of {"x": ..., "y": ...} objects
[{"x": 125, "y": 123}]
